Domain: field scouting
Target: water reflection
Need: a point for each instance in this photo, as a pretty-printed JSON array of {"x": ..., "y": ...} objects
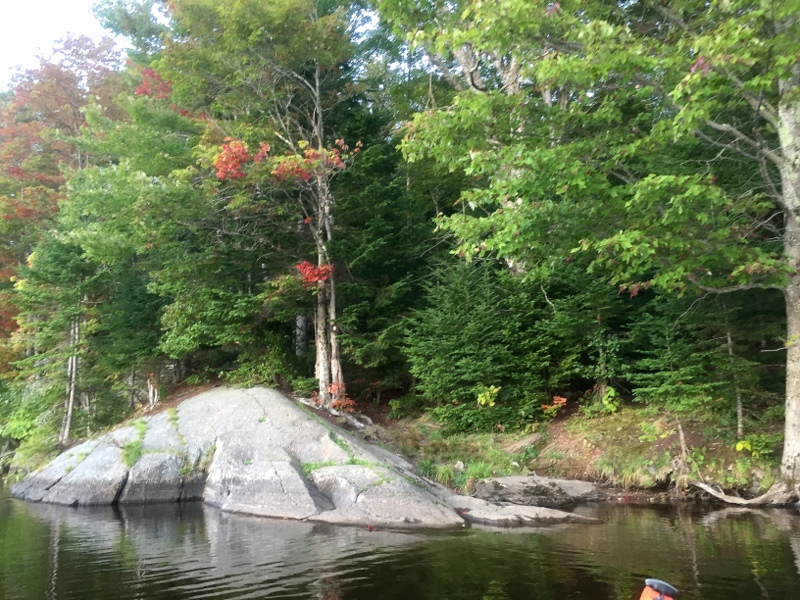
[
  {"x": 201, "y": 552},
  {"x": 191, "y": 551}
]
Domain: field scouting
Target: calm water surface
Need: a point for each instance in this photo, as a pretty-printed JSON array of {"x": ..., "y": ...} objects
[{"x": 191, "y": 551}]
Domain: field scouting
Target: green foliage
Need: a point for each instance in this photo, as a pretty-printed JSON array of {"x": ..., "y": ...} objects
[
  {"x": 135, "y": 19},
  {"x": 307, "y": 468},
  {"x": 636, "y": 471},
  {"x": 761, "y": 446},
  {"x": 474, "y": 417},
  {"x": 681, "y": 358},
  {"x": 427, "y": 468},
  {"x": 208, "y": 456},
  {"x": 479, "y": 470},
  {"x": 304, "y": 386},
  {"x": 339, "y": 441},
  {"x": 461, "y": 478},
  {"x": 268, "y": 364},
  {"x": 597, "y": 402},
  {"x": 458, "y": 344},
  {"x": 29, "y": 415},
  {"x": 407, "y": 406},
  {"x": 488, "y": 395},
  {"x": 488, "y": 335},
  {"x": 470, "y": 344},
  {"x": 386, "y": 211},
  {"x": 132, "y": 450},
  {"x": 622, "y": 156},
  {"x": 598, "y": 194}
]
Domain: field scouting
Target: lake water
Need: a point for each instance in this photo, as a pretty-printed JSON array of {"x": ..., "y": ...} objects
[{"x": 192, "y": 551}]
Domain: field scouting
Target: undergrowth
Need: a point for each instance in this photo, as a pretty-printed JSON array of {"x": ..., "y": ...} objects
[{"x": 632, "y": 448}]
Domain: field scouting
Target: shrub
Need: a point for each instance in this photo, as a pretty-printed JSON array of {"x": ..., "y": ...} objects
[{"x": 469, "y": 352}]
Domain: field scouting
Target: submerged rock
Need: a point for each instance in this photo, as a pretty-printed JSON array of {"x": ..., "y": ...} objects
[{"x": 254, "y": 451}]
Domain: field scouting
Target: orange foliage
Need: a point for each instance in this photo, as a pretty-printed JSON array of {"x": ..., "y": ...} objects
[
  {"x": 557, "y": 405},
  {"x": 232, "y": 156},
  {"x": 152, "y": 83},
  {"x": 313, "y": 275}
]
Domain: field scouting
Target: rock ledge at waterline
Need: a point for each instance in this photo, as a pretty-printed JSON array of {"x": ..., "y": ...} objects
[{"x": 254, "y": 451}]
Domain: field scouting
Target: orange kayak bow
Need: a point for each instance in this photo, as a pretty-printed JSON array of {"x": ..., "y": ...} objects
[{"x": 655, "y": 589}]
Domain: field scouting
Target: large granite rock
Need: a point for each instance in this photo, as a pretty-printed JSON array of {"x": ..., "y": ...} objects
[
  {"x": 35, "y": 486},
  {"x": 260, "y": 479},
  {"x": 377, "y": 495},
  {"x": 156, "y": 477},
  {"x": 254, "y": 451},
  {"x": 96, "y": 481},
  {"x": 536, "y": 491}
]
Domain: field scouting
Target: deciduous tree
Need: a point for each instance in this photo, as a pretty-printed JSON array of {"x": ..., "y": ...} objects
[{"x": 663, "y": 138}]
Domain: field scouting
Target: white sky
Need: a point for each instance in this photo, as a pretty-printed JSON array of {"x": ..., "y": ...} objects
[{"x": 29, "y": 28}]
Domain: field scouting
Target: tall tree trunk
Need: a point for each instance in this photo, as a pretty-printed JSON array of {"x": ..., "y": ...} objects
[
  {"x": 337, "y": 377},
  {"x": 328, "y": 364},
  {"x": 72, "y": 380},
  {"x": 323, "y": 363},
  {"x": 132, "y": 390},
  {"x": 300, "y": 335},
  {"x": 790, "y": 463},
  {"x": 152, "y": 388},
  {"x": 789, "y": 133},
  {"x": 736, "y": 390},
  {"x": 328, "y": 368}
]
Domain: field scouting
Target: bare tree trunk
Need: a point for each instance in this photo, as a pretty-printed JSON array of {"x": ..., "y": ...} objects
[
  {"x": 132, "y": 391},
  {"x": 790, "y": 463},
  {"x": 323, "y": 364},
  {"x": 337, "y": 377},
  {"x": 736, "y": 391},
  {"x": 300, "y": 335},
  {"x": 87, "y": 408},
  {"x": 72, "y": 380},
  {"x": 152, "y": 389},
  {"x": 789, "y": 134},
  {"x": 328, "y": 368}
]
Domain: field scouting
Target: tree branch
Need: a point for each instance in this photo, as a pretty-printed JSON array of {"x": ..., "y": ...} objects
[
  {"x": 438, "y": 62},
  {"x": 509, "y": 73},
  {"x": 725, "y": 145},
  {"x": 758, "y": 146},
  {"x": 773, "y": 189},
  {"x": 732, "y": 288},
  {"x": 470, "y": 65}
]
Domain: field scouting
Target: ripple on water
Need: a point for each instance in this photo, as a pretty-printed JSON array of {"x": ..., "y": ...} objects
[{"x": 179, "y": 552}]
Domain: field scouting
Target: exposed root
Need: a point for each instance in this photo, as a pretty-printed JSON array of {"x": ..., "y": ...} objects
[{"x": 779, "y": 494}]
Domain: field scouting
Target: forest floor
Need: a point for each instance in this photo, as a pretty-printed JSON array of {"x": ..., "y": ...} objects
[{"x": 637, "y": 453}]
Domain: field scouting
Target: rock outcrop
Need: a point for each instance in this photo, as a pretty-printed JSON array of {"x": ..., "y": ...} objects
[
  {"x": 536, "y": 491},
  {"x": 254, "y": 451},
  {"x": 481, "y": 512}
]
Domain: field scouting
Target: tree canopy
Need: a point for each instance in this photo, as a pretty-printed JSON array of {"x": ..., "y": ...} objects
[{"x": 485, "y": 209}]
